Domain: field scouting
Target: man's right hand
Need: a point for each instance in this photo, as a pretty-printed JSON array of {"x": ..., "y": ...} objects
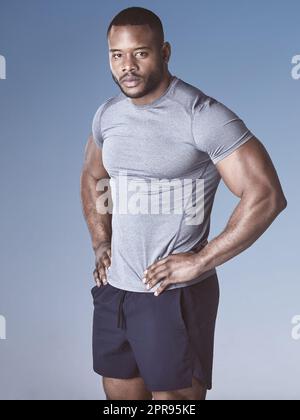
[{"x": 102, "y": 262}]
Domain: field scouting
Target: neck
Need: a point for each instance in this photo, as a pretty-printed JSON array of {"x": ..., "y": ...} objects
[{"x": 152, "y": 96}]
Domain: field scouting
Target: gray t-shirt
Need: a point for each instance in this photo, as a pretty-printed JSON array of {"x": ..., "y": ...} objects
[{"x": 161, "y": 161}]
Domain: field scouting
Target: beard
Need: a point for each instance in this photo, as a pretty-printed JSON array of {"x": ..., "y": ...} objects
[{"x": 148, "y": 85}]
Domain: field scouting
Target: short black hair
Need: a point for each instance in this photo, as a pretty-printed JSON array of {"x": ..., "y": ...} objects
[{"x": 139, "y": 16}]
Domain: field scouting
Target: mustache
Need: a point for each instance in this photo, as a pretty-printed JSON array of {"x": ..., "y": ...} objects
[{"x": 130, "y": 76}]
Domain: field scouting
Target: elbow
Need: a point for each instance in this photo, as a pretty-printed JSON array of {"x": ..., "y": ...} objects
[
  {"x": 283, "y": 204},
  {"x": 278, "y": 203}
]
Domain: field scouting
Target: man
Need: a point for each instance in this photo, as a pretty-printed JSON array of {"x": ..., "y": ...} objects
[{"x": 156, "y": 294}]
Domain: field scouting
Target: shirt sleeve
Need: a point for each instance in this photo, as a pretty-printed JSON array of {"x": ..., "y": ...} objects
[
  {"x": 96, "y": 127},
  {"x": 217, "y": 130}
]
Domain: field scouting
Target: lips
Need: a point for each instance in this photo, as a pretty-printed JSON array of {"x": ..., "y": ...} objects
[{"x": 131, "y": 81}]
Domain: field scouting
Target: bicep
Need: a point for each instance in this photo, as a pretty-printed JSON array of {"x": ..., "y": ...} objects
[
  {"x": 249, "y": 170},
  {"x": 93, "y": 163}
]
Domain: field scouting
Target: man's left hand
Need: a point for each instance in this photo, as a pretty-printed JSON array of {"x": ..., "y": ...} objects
[{"x": 175, "y": 268}]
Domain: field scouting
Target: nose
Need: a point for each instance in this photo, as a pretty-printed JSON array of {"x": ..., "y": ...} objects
[{"x": 128, "y": 64}]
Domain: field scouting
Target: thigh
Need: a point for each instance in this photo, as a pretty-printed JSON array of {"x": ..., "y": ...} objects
[
  {"x": 112, "y": 354},
  {"x": 158, "y": 337},
  {"x": 196, "y": 392},
  {"x": 172, "y": 335},
  {"x": 199, "y": 307},
  {"x": 126, "y": 389}
]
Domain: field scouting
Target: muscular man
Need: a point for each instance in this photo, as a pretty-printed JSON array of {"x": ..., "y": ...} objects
[{"x": 163, "y": 146}]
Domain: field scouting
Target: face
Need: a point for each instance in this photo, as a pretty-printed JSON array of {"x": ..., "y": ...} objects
[{"x": 138, "y": 64}]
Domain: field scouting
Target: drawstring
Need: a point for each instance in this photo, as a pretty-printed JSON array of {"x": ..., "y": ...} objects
[{"x": 121, "y": 318}]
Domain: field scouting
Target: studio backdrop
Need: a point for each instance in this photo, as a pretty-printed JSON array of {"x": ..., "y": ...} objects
[{"x": 54, "y": 72}]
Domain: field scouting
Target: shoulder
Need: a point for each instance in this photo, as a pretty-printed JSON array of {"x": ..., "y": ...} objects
[
  {"x": 199, "y": 104},
  {"x": 189, "y": 97},
  {"x": 106, "y": 105}
]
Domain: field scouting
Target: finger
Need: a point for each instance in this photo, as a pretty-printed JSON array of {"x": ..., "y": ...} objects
[
  {"x": 157, "y": 278},
  {"x": 163, "y": 285},
  {"x": 154, "y": 265},
  {"x": 96, "y": 277},
  {"x": 102, "y": 274},
  {"x": 151, "y": 275},
  {"x": 105, "y": 260},
  {"x": 152, "y": 268}
]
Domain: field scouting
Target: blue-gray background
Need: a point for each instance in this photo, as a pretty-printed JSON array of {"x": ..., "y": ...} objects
[{"x": 57, "y": 75}]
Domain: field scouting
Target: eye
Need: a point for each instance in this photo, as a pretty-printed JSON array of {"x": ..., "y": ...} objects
[{"x": 144, "y": 54}]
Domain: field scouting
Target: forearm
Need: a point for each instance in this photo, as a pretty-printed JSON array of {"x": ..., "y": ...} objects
[
  {"x": 99, "y": 224},
  {"x": 247, "y": 223}
]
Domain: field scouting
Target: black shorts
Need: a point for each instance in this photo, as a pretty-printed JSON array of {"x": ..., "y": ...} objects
[{"x": 165, "y": 339}]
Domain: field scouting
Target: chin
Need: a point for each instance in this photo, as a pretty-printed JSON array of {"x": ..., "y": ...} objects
[{"x": 134, "y": 94}]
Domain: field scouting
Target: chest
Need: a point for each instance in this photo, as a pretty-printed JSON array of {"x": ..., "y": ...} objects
[{"x": 150, "y": 145}]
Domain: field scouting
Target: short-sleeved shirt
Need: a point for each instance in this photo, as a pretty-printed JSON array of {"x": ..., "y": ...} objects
[{"x": 161, "y": 160}]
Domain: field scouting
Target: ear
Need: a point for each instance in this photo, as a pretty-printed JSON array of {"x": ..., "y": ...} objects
[{"x": 166, "y": 51}]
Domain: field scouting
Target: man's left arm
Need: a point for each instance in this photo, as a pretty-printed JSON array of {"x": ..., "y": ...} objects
[{"x": 249, "y": 174}]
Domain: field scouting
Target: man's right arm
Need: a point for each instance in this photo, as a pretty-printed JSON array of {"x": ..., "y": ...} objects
[{"x": 99, "y": 224}]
